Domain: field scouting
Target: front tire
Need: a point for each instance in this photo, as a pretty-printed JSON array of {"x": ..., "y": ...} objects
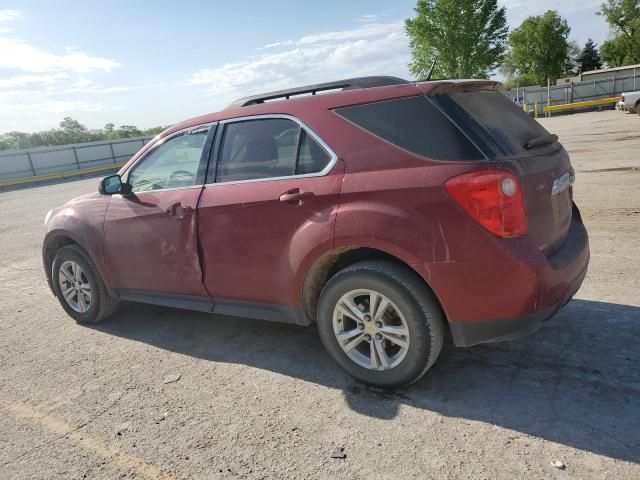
[
  {"x": 79, "y": 288},
  {"x": 380, "y": 323}
]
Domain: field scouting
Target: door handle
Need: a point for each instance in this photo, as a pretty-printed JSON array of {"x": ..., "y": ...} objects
[
  {"x": 178, "y": 211},
  {"x": 295, "y": 196}
]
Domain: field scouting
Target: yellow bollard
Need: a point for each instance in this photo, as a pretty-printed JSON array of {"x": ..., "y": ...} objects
[{"x": 535, "y": 109}]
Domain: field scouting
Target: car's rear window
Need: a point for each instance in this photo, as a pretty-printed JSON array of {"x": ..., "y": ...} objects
[
  {"x": 415, "y": 124},
  {"x": 504, "y": 125}
]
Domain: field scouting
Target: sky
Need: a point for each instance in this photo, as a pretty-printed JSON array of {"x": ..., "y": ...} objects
[{"x": 157, "y": 63}]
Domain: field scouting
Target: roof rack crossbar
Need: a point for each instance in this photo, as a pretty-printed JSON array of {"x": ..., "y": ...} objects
[{"x": 348, "y": 84}]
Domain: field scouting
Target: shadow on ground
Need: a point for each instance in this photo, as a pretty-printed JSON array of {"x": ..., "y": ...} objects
[{"x": 576, "y": 381}]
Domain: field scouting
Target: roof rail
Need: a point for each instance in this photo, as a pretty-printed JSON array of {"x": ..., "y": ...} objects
[{"x": 348, "y": 84}]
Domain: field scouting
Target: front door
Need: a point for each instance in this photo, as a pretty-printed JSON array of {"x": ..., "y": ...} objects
[
  {"x": 273, "y": 204},
  {"x": 151, "y": 233}
]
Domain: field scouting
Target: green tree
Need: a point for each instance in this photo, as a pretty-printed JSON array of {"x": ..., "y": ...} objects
[
  {"x": 623, "y": 17},
  {"x": 70, "y": 131},
  {"x": 614, "y": 52},
  {"x": 73, "y": 131},
  {"x": 126, "y": 131},
  {"x": 466, "y": 38},
  {"x": 589, "y": 58},
  {"x": 539, "y": 49},
  {"x": 153, "y": 131},
  {"x": 68, "y": 124},
  {"x": 571, "y": 65}
]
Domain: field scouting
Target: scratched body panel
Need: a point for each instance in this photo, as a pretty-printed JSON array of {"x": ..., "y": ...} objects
[{"x": 149, "y": 250}]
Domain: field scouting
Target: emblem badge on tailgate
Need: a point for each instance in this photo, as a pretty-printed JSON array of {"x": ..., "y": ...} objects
[{"x": 563, "y": 182}]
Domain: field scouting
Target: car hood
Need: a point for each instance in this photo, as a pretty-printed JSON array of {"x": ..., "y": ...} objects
[{"x": 89, "y": 208}]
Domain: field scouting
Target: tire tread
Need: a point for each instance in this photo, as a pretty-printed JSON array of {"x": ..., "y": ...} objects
[
  {"x": 107, "y": 303},
  {"x": 416, "y": 288}
]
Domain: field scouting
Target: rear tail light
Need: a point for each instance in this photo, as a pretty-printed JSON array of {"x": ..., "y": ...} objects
[
  {"x": 622, "y": 99},
  {"x": 493, "y": 199}
]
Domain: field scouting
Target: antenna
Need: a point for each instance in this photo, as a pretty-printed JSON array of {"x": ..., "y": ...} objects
[{"x": 433, "y": 65}]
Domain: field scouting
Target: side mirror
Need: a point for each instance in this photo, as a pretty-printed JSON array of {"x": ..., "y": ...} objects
[{"x": 111, "y": 184}]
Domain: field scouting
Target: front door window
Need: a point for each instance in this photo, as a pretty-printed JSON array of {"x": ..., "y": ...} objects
[{"x": 174, "y": 164}]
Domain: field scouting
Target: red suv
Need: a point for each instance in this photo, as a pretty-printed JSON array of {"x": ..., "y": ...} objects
[{"x": 388, "y": 212}]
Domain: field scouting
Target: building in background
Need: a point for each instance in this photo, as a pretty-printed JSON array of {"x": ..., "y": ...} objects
[{"x": 604, "y": 73}]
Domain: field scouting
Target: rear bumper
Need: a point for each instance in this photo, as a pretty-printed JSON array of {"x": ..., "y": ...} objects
[
  {"x": 466, "y": 334},
  {"x": 509, "y": 287}
]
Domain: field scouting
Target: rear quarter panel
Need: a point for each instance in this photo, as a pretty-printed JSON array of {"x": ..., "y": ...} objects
[{"x": 394, "y": 201}]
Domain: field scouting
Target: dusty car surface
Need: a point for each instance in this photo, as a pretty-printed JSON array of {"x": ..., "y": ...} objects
[{"x": 388, "y": 212}]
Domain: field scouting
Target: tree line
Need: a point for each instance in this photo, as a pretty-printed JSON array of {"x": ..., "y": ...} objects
[
  {"x": 471, "y": 39},
  {"x": 71, "y": 131}
]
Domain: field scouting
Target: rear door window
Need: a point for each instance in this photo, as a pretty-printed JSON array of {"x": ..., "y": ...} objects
[
  {"x": 312, "y": 158},
  {"x": 414, "y": 124},
  {"x": 268, "y": 148}
]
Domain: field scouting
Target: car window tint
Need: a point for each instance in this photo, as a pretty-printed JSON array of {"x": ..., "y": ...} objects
[
  {"x": 414, "y": 124},
  {"x": 173, "y": 164},
  {"x": 505, "y": 123},
  {"x": 255, "y": 149},
  {"x": 312, "y": 158}
]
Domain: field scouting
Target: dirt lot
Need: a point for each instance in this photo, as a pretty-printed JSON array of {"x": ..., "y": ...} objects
[{"x": 262, "y": 400}]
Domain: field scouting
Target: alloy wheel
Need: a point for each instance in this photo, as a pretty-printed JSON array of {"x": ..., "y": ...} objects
[
  {"x": 371, "y": 329},
  {"x": 75, "y": 286}
]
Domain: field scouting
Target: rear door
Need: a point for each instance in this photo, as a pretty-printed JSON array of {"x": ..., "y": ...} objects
[
  {"x": 544, "y": 169},
  {"x": 151, "y": 233},
  {"x": 270, "y": 201}
]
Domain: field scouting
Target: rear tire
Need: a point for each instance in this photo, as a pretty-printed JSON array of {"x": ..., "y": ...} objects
[
  {"x": 396, "y": 311},
  {"x": 79, "y": 288}
]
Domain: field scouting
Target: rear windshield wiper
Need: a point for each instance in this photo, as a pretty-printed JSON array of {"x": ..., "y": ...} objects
[{"x": 545, "y": 139}]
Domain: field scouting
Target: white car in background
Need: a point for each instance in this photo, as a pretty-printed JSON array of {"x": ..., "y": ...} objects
[{"x": 631, "y": 102}]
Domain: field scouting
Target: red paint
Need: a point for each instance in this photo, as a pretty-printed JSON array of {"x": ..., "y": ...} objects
[
  {"x": 255, "y": 247},
  {"x": 148, "y": 247}
]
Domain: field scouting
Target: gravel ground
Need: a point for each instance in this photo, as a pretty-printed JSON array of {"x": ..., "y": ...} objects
[{"x": 263, "y": 400}]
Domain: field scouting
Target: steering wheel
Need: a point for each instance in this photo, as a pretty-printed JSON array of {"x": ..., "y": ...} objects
[{"x": 180, "y": 176}]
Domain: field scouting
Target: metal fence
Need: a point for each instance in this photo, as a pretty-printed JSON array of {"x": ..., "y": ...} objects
[
  {"x": 39, "y": 161},
  {"x": 576, "y": 91}
]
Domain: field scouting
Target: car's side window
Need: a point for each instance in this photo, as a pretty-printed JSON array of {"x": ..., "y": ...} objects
[
  {"x": 174, "y": 164},
  {"x": 312, "y": 158},
  {"x": 255, "y": 149},
  {"x": 268, "y": 148}
]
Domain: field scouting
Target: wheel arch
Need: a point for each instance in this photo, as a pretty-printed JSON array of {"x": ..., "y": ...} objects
[
  {"x": 53, "y": 242},
  {"x": 335, "y": 260}
]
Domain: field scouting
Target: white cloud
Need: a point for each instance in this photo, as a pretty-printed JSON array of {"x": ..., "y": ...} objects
[
  {"x": 371, "y": 49},
  {"x": 365, "y": 31},
  {"x": 20, "y": 55},
  {"x": 26, "y": 80},
  {"x": 37, "y": 115},
  {"x": 56, "y": 107},
  {"x": 38, "y": 85},
  {"x": 370, "y": 17},
  {"x": 518, "y": 10},
  {"x": 8, "y": 15},
  {"x": 279, "y": 44}
]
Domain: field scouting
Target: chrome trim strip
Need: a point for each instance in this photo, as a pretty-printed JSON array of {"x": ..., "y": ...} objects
[
  {"x": 308, "y": 130},
  {"x": 158, "y": 190}
]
